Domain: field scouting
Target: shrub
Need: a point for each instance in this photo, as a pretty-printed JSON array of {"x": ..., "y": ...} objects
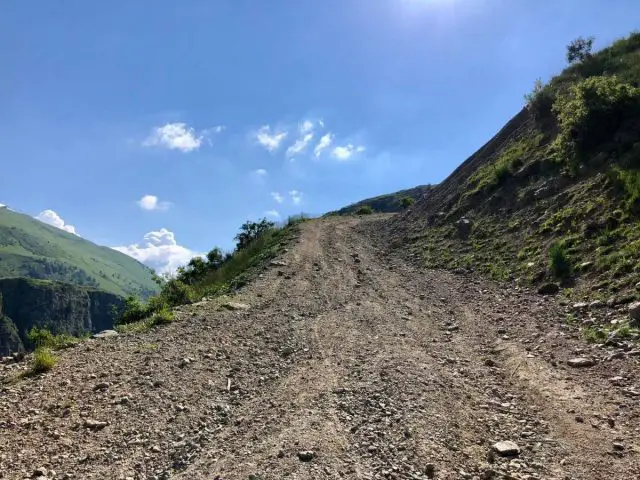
[
  {"x": 175, "y": 293},
  {"x": 42, "y": 337},
  {"x": 590, "y": 112},
  {"x": 43, "y": 360},
  {"x": 162, "y": 317},
  {"x": 406, "y": 202},
  {"x": 559, "y": 262},
  {"x": 133, "y": 311},
  {"x": 540, "y": 101},
  {"x": 364, "y": 210},
  {"x": 250, "y": 231}
]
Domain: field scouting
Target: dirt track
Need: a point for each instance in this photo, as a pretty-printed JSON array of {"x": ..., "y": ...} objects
[{"x": 379, "y": 369}]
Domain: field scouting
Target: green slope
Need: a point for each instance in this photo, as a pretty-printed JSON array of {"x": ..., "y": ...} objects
[
  {"x": 388, "y": 203},
  {"x": 30, "y": 248},
  {"x": 559, "y": 185}
]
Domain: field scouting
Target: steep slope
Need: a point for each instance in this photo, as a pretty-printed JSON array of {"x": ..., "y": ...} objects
[
  {"x": 554, "y": 195},
  {"x": 59, "y": 307},
  {"x": 30, "y": 248},
  {"x": 388, "y": 203},
  {"x": 346, "y": 362}
]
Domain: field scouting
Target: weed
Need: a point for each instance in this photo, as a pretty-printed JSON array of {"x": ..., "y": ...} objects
[
  {"x": 43, "y": 360},
  {"x": 559, "y": 262},
  {"x": 42, "y": 337},
  {"x": 594, "y": 335}
]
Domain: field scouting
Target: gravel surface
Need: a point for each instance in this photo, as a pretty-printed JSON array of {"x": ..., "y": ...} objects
[{"x": 350, "y": 364}]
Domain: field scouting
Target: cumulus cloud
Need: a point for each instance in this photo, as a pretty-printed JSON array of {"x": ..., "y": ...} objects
[
  {"x": 151, "y": 202},
  {"x": 175, "y": 136},
  {"x": 260, "y": 172},
  {"x": 272, "y": 213},
  {"x": 346, "y": 152},
  {"x": 323, "y": 144},
  {"x": 306, "y": 127},
  {"x": 296, "y": 197},
  {"x": 160, "y": 251},
  {"x": 277, "y": 197},
  {"x": 52, "y": 218},
  {"x": 270, "y": 141}
]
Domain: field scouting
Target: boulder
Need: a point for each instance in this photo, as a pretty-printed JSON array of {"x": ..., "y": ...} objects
[
  {"x": 105, "y": 334},
  {"x": 549, "y": 289},
  {"x": 634, "y": 314},
  {"x": 464, "y": 228},
  {"x": 506, "y": 448},
  {"x": 235, "y": 306}
]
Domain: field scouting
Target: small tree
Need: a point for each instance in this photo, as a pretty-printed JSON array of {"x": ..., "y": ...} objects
[
  {"x": 364, "y": 210},
  {"x": 249, "y": 231},
  {"x": 579, "y": 50},
  {"x": 406, "y": 202}
]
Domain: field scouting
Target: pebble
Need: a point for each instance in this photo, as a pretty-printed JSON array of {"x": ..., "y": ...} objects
[
  {"x": 306, "y": 455},
  {"x": 580, "y": 362}
]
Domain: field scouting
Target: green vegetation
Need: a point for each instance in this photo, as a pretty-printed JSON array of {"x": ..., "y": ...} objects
[
  {"x": 43, "y": 338},
  {"x": 217, "y": 274},
  {"x": 30, "y": 248},
  {"x": 555, "y": 195},
  {"x": 43, "y": 360},
  {"x": 364, "y": 210},
  {"x": 406, "y": 202},
  {"x": 391, "y": 203},
  {"x": 559, "y": 263}
]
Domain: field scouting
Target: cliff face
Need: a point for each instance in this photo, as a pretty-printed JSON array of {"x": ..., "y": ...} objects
[{"x": 60, "y": 307}]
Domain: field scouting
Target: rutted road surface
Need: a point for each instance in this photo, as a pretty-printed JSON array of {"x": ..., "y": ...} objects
[{"x": 349, "y": 364}]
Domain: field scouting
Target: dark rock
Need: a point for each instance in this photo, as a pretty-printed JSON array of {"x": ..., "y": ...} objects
[
  {"x": 549, "y": 289},
  {"x": 306, "y": 455}
]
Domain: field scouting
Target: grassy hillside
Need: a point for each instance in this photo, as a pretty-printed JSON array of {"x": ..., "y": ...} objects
[
  {"x": 30, "y": 248},
  {"x": 388, "y": 203},
  {"x": 555, "y": 195}
]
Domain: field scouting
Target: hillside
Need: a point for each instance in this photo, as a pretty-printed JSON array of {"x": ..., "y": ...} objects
[
  {"x": 388, "y": 203},
  {"x": 555, "y": 195},
  {"x": 30, "y": 248}
]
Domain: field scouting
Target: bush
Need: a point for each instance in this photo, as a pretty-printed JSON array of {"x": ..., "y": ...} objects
[
  {"x": 540, "y": 101},
  {"x": 559, "y": 262},
  {"x": 162, "y": 317},
  {"x": 591, "y": 112},
  {"x": 133, "y": 311},
  {"x": 41, "y": 337},
  {"x": 250, "y": 231},
  {"x": 43, "y": 360},
  {"x": 364, "y": 210},
  {"x": 406, "y": 202}
]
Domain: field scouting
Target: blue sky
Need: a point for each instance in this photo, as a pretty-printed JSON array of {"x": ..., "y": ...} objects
[{"x": 161, "y": 126}]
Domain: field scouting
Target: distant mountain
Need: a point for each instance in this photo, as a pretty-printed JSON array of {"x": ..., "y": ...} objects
[
  {"x": 388, "y": 203},
  {"x": 30, "y": 248}
]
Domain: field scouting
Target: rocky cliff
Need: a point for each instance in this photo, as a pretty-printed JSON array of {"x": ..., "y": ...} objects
[{"x": 60, "y": 307}]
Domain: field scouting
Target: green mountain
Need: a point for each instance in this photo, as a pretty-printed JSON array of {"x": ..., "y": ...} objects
[
  {"x": 555, "y": 195},
  {"x": 30, "y": 248},
  {"x": 388, "y": 203}
]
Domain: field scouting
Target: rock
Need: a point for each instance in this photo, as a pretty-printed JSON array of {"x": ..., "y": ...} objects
[
  {"x": 156, "y": 449},
  {"x": 618, "y": 446},
  {"x": 580, "y": 362},
  {"x": 105, "y": 334},
  {"x": 184, "y": 362},
  {"x": 634, "y": 314},
  {"x": 506, "y": 448},
  {"x": 101, "y": 386},
  {"x": 549, "y": 289},
  {"x": 579, "y": 306},
  {"x": 585, "y": 266},
  {"x": 306, "y": 455},
  {"x": 278, "y": 263},
  {"x": 94, "y": 424},
  {"x": 464, "y": 228},
  {"x": 596, "y": 304},
  {"x": 235, "y": 306}
]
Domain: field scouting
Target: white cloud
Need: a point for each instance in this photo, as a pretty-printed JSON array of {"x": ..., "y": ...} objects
[
  {"x": 260, "y": 172},
  {"x": 151, "y": 202},
  {"x": 160, "y": 251},
  {"x": 324, "y": 143},
  {"x": 296, "y": 197},
  {"x": 52, "y": 218},
  {"x": 175, "y": 136},
  {"x": 272, "y": 213},
  {"x": 277, "y": 197},
  {"x": 300, "y": 145},
  {"x": 306, "y": 127},
  {"x": 346, "y": 152},
  {"x": 219, "y": 128},
  {"x": 2, "y": 205},
  {"x": 270, "y": 141}
]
